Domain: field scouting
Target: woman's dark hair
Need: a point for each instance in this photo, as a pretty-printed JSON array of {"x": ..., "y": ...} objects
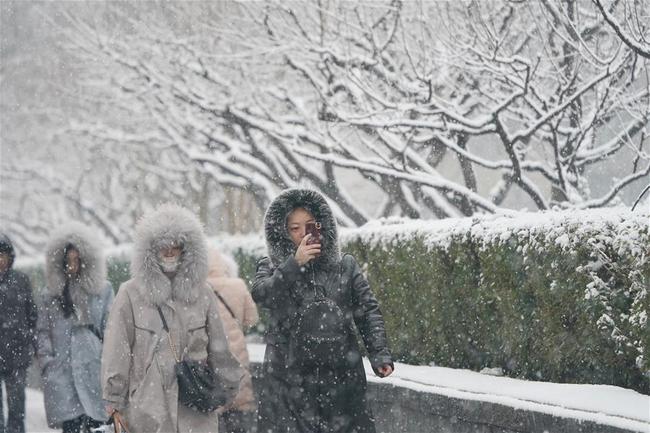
[{"x": 65, "y": 300}]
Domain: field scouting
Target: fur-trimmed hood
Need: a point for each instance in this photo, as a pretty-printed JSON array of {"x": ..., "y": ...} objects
[
  {"x": 279, "y": 244},
  {"x": 92, "y": 274},
  {"x": 170, "y": 224},
  {"x": 221, "y": 265}
]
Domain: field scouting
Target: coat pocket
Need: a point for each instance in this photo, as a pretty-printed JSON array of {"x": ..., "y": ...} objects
[
  {"x": 145, "y": 346},
  {"x": 147, "y": 398},
  {"x": 197, "y": 341}
]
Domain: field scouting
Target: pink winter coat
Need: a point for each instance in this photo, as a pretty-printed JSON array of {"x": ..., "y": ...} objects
[{"x": 223, "y": 279}]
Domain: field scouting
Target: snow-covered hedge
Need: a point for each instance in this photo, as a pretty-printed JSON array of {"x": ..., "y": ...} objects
[{"x": 555, "y": 296}]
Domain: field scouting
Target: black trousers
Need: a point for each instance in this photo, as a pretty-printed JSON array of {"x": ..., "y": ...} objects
[
  {"x": 320, "y": 402},
  {"x": 15, "y": 384}
]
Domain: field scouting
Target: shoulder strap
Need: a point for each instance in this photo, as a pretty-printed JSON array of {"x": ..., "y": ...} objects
[
  {"x": 338, "y": 276},
  {"x": 118, "y": 422},
  {"x": 162, "y": 317},
  {"x": 225, "y": 304},
  {"x": 169, "y": 336}
]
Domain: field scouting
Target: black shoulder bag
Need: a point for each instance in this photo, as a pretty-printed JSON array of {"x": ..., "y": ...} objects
[{"x": 199, "y": 387}]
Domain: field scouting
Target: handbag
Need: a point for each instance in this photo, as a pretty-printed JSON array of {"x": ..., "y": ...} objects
[
  {"x": 118, "y": 423},
  {"x": 199, "y": 387}
]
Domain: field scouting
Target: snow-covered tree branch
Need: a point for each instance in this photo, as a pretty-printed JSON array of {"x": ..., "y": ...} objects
[{"x": 442, "y": 109}]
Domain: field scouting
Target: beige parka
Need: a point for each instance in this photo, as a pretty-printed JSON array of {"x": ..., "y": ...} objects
[
  {"x": 224, "y": 281},
  {"x": 138, "y": 375}
]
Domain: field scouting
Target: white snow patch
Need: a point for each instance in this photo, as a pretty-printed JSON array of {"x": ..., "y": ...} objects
[
  {"x": 35, "y": 421},
  {"x": 35, "y": 412},
  {"x": 500, "y": 228}
]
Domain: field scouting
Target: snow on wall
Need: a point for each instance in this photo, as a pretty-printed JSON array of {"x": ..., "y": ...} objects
[{"x": 602, "y": 404}]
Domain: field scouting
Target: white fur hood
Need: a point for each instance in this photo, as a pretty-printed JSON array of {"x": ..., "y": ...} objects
[
  {"x": 92, "y": 275},
  {"x": 170, "y": 224}
]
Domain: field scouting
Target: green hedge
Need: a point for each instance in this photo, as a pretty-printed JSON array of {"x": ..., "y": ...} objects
[
  {"x": 557, "y": 296},
  {"x": 561, "y": 298}
]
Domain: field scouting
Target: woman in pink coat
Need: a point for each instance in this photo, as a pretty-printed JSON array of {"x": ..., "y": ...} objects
[{"x": 238, "y": 313}]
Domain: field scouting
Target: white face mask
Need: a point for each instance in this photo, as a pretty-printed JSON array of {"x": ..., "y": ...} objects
[{"x": 169, "y": 264}]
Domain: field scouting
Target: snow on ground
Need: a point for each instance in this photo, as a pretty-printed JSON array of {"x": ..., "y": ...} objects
[
  {"x": 602, "y": 404},
  {"x": 35, "y": 412},
  {"x": 35, "y": 422}
]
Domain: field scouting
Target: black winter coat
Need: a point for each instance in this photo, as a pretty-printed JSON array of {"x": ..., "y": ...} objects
[
  {"x": 17, "y": 321},
  {"x": 292, "y": 400}
]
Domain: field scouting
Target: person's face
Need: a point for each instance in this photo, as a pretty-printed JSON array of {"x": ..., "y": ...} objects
[
  {"x": 4, "y": 261},
  {"x": 170, "y": 259},
  {"x": 72, "y": 262},
  {"x": 296, "y": 224},
  {"x": 170, "y": 253}
]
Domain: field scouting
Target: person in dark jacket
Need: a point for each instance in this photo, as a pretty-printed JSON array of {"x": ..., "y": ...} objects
[
  {"x": 17, "y": 324},
  {"x": 73, "y": 316},
  {"x": 297, "y": 394}
]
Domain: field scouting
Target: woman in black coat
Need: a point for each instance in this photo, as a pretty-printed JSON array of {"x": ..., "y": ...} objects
[
  {"x": 314, "y": 383},
  {"x": 17, "y": 324}
]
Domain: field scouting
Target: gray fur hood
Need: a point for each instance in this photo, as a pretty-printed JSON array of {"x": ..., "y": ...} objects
[
  {"x": 170, "y": 224},
  {"x": 279, "y": 244},
  {"x": 92, "y": 275}
]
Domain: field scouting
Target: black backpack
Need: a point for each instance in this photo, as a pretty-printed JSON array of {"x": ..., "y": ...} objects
[{"x": 320, "y": 335}]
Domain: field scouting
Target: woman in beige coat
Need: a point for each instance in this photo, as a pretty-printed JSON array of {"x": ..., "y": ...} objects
[
  {"x": 238, "y": 313},
  {"x": 169, "y": 269}
]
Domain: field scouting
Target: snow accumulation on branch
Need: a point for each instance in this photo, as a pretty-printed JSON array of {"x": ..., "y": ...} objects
[{"x": 638, "y": 47}]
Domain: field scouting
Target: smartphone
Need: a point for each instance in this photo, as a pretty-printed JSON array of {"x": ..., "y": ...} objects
[{"x": 313, "y": 229}]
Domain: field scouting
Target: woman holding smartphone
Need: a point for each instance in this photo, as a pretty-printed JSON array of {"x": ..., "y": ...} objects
[{"x": 313, "y": 376}]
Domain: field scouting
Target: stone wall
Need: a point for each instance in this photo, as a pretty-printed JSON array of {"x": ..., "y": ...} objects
[{"x": 403, "y": 410}]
